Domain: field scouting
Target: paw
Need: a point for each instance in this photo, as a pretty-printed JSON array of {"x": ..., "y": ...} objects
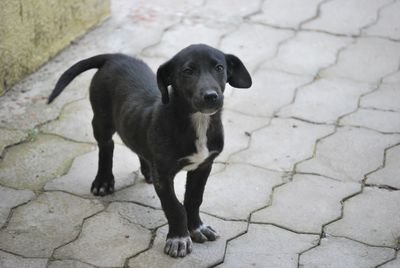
[
  {"x": 102, "y": 187},
  {"x": 203, "y": 233},
  {"x": 178, "y": 246}
]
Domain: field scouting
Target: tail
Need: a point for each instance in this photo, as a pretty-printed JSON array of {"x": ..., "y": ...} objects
[{"x": 76, "y": 69}]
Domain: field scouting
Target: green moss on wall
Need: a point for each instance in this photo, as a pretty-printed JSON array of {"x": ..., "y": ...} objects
[{"x": 32, "y": 31}]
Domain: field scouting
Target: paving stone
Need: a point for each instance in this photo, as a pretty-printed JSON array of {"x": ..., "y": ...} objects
[
  {"x": 24, "y": 106},
  {"x": 355, "y": 61},
  {"x": 249, "y": 189},
  {"x": 393, "y": 78},
  {"x": 283, "y": 143},
  {"x": 106, "y": 240},
  {"x": 75, "y": 122},
  {"x": 388, "y": 23},
  {"x": 34, "y": 229},
  {"x": 144, "y": 193},
  {"x": 9, "y": 137},
  {"x": 8, "y": 260},
  {"x": 270, "y": 91},
  {"x": 287, "y": 13},
  {"x": 387, "y": 98},
  {"x": 69, "y": 264},
  {"x": 267, "y": 244},
  {"x": 182, "y": 36},
  {"x": 389, "y": 174},
  {"x": 317, "y": 50},
  {"x": 379, "y": 120},
  {"x": 372, "y": 217},
  {"x": 341, "y": 252},
  {"x": 140, "y": 215},
  {"x": 31, "y": 165},
  {"x": 229, "y": 12},
  {"x": 346, "y": 17},
  {"x": 308, "y": 202},
  {"x": 254, "y": 43},
  {"x": 337, "y": 155},
  {"x": 394, "y": 263},
  {"x": 79, "y": 178},
  {"x": 236, "y": 131},
  {"x": 331, "y": 97},
  {"x": 11, "y": 198},
  {"x": 203, "y": 255}
]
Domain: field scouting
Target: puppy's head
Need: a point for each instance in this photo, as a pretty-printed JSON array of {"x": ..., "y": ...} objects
[{"x": 198, "y": 75}]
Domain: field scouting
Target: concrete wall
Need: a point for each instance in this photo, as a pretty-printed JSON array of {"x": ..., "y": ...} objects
[{"x": 32, "y": 31}]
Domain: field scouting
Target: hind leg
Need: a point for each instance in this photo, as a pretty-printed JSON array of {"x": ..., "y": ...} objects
[
  {"x": 103, "y": 184},
  {"x": 145, "y": 169}
]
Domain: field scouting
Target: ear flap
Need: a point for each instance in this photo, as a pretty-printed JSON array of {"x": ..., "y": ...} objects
[
  {"x": 164, "y": 80},
  {"x": 238, "y": 76}
]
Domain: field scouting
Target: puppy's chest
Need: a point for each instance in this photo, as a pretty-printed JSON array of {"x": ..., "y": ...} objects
[{"x": 200, "y": 124}]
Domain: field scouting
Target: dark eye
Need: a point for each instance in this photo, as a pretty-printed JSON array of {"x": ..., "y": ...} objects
[
  {"x": 188, "y": 71},
  {"x": 219, "y": 68}
]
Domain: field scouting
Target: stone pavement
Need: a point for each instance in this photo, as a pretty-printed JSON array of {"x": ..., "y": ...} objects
[{"x": 310, "y": 175}]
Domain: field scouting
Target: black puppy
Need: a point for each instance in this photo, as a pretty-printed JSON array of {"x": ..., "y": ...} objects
[{"x": 178, "y": 129}]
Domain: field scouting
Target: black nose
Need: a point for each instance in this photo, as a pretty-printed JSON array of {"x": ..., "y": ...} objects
[{"x": 211, "y": 96}]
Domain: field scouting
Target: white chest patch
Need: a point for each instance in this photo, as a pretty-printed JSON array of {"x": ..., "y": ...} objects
[{"x": 200, "y": 123}]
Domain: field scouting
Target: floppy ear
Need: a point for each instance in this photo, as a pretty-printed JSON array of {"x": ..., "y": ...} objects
[
  {"x": 164, "y": 80},
  {"x": 238, "y": 76}
]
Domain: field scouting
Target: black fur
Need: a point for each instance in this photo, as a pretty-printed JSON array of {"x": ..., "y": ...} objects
[{"x": 125, "y": 97}]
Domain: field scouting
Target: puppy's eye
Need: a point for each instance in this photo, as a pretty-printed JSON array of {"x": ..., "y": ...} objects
[
  {"x": 188, "y": 71},
  {"x": 219, "y": 68}
]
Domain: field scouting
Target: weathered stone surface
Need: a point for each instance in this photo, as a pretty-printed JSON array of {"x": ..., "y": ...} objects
[
  {"x": 394, "y": 263},
  {"x": 236, "y": 131},
  {"x": 31, "y": 165},
  {"x": 270, "y": 91},
  {"x": 341, "y": 252},
  {"x": 374, "y": 119},
  {"x": 317, "y": 50},
  {"x": 75, "y": 122},
  {"x": 139, "y": 215},
  {"x": 387, "y": 25},
  {"x": 355, "y": 61},
  {"x": 107, "y": 239},
  {"x": 267, "y": 244},
  {"x": 286, "y": 13},
  {"x": 203, "y": 255},
  {"x": 372, "y": 217},
  {"x": 9, "y": 137},
  {"x": 8, "y": 260},
  {"x": 330, "y": 97},
  {"x": 69, "y": 264},
  {"x": 337, "y": 155},
  {"x": 254, "y": 43},
  {"x": 386, "y": 98},
  {"x": 141, "y": 192},
  {"x": 51, "y": 220},
  {"x": 11, "y": 198},
  {"x": 184, "y": 35},
  {"x": 308, "y": 201},
  {"x": 346, "y": 17},
  {"x": 283, "y": 143},
  {"x": 239, "y": 190},
  {"x": 389, "y": 174},
  {"x": 79, "y": 178},
  {"x": 220, "y": 11},
  {"x": 144, "y": 193},
  {"x": 24, "y": 107}
]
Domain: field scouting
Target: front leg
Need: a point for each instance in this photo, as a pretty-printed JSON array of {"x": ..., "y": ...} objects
[
  {"x": 178, "y": 242},
  {"x": 195, "y": 184}
]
